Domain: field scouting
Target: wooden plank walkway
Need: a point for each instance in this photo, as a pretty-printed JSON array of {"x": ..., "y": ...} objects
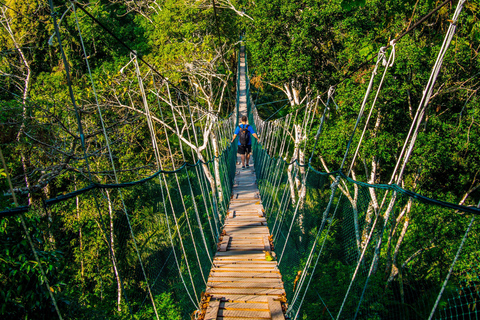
[{"x": 244, "y": 283}]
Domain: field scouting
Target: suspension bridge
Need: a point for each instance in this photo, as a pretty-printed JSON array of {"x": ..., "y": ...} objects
[
  {"x": 278, "y": 240},
  {"x": 245, "y": 281}
]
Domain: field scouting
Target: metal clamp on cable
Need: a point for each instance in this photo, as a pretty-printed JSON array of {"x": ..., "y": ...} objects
[
  {"x": 381, "y": 56},
  {"x": 335, "y": 183},
  {"x": 392, "y": 44}
]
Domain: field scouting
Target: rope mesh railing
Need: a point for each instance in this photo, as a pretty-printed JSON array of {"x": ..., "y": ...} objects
[
  {"x": 88, "y": 260},
  {"x": 348, "y": 249},
  {"x": 332, "y": 240},
  {"x": 115, "y": 241}
]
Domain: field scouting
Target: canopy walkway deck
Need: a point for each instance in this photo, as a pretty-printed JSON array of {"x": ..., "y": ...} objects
[{"x": 244, "y": 282}]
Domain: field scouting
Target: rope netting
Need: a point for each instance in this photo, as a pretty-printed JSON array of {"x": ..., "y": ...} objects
[
  {"x": 120, "y": 241},
  {"x": 329, "y": 254},
  {"x": 96, "y": 237},
  {"x": 348, "y": 249},
  {"x": 126, "y": 244}
]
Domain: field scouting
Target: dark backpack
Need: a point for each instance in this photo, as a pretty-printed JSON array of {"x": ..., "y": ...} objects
[{"x": 244, "y": 136}]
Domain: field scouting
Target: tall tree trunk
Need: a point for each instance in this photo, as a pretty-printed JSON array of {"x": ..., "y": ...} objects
[
  {"x": 373, "y": 205},
  {"x": 51, "y": 238},
  {"x": 112, "y": 245},
  {"x": 291, "y": 183},
  {"x": 24, "y": 89},
  {"x": 80, "y": 237},
  {"x": 392, "y": 267},
  {"x": 216, "y": 165}
]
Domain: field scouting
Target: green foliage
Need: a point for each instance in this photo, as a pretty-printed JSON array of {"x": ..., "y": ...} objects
[
  {"x": 166, "y": 309},
  {"x": 24, "y": 292}
]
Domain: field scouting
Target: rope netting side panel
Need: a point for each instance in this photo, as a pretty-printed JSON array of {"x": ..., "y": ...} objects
[
  {"x": 352, "y": 250},
  {"x": 121, "y": 202},
  {"x": 348, "y": 249},
  {"x": 129, "y": 241},
  {"x": 174, "y": 226}
]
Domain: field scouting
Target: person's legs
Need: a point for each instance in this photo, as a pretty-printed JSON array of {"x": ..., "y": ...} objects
[
  {"x": 241, "y": 152},
  {"x": 248, "y": 150}
]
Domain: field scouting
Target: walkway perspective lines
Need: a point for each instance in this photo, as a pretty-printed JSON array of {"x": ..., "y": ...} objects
[{"x": 244, "y": 282}]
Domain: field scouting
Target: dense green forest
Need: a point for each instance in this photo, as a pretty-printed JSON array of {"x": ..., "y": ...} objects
[{"x": 104, "y": 92}]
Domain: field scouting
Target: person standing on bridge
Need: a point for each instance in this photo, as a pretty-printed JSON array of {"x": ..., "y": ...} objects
[{"x": 244, "y": 132}]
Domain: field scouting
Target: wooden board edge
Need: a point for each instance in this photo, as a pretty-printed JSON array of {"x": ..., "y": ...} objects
[{"x": 275, "y": 307}]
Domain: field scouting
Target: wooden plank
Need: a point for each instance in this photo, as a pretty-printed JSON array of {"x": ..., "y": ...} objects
[
  {"x": 246, "y": 242},
  {"x": 242, "y": 298},
  {"x": 251, "y": 216},
  {"x": 246, "y": 197},
  {"x": 240, "y": 242},
  {"x": 252, "y": 285},
  {"x": 244, "y": 280},
  {"x": 238, "y": 318},
  {"x": 240, "y": 256},
  {"x": 244, "y": 314},
  {"x": 242, "y": 253},
  {"x": 249, "y": 237},
  {"x": 270, "y": 265},
  {"x": 212, "y": 310},
  {"x": 243, "y": 233},
  {"x": 262, "y": 275},
  {"x": 253, "y": 306},
  {"x": 231, "y": 214},
  {"x": 246, "y": 264},
  {"x": 276, "y": 311},
  {"x": 249, "y": 189},
  {"x": 246, "y": 207},
  {"x": 238, "y": 260},
  {"x": 266, "y": 243},
  {"x": 248, "y": 248},
  {"x": 217, "y": 271},
  {"x": 246, "y": 223},
  {"x": 231, "y": 259},
  {"x": 224, "y": 245},
  {"x": 247, "y": 231},
  {"x": 245, "y": 245},
  {"x": 249, "y": 291},
  {"x": 240, "y": 269},
  {"x": 245, "y": 219},
  {"x": 245, "y": 270}
]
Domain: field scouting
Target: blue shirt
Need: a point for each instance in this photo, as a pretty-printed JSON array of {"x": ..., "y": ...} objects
[{"x": 250, "y": 130}]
